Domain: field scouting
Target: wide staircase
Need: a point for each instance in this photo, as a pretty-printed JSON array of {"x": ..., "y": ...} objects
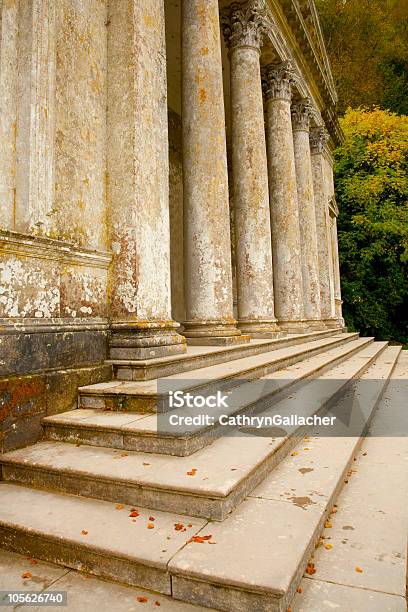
[{"x": 222, "y": 521}]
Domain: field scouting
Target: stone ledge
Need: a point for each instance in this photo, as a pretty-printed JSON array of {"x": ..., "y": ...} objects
[{"x": 47, "y": 248}]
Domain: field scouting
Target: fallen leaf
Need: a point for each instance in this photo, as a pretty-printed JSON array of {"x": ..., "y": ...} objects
[
  {"x": 151, "y": 518},
  {"x": 328, "y": 546},
  {"x": 328, "y": 525},
  {"x": 134, "y": 514},
  {"x": 359, "y": 570},
  {"x": 294, "y": 454},
  {"x": 310, "y": 569},
  {"x": 200, "y": 539},
  {"x": 144, "y": 463},
  {"x": 157, "y": 603},
  {"x": 189, "y": 525},
  {"x": 119, "y": 506},
  {"x": 150, "y": 526},
  {"x": 333, "y": 511},
  {"x": 27, "y": 575},
  {"x": 178, "y": 526},
  {"x": 84, "y": 532},
  {"x": 299, "y": 590},
  {"x": 193, "y": 472},
  {"x": 141, "y": 599},
  {"x": 124, "y": 454}
]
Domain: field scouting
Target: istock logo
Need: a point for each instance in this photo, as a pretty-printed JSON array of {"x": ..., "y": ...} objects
[{"x": 179, "y": 399}]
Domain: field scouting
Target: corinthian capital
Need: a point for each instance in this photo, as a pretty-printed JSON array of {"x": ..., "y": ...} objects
[
  {"x": 301, "y": 114},
  {"x": 244, "y": 24},
  {"x": 318, "y": 138},
  {"x": 278, "y": 80}
]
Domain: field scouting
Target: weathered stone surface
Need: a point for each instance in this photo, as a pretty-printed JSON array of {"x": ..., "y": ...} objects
[
  {"x": 318, "y": 138},
  {"x": 25, "y": 400},
  {"x": 138, "y": 181},
  {"x": 286, "y": 249},
  {"x": 301, "y": 113},
  {"x": 8, "y": 110},
  {"x": 208, "y": 278},
  {"x": 243, "y": 28}
]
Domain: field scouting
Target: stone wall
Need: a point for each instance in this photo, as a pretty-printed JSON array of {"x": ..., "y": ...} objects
[{"x": 53, "y": 234}]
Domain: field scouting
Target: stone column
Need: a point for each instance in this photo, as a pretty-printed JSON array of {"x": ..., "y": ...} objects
[
  {"x": 243, "y": 26},
  {"x": 336, "y": 272},
  {"x": 301, "y": 113},
  {"x": 287, "y": 267},
  {"x": 138, "y": 191},
  {"x": 208, "y": 277},
  {"x": 318, "y": 139}
]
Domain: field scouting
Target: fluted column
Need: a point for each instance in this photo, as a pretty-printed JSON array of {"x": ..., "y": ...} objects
[
  {"x": 243, "y": 27},
  {"x": 301, "y": 113},
  {"x": 286, "y": 252},
  {"x": 138, "y": 191},
  {"x": 208, "y": 277},
  {"x": 318, "y": 139}
]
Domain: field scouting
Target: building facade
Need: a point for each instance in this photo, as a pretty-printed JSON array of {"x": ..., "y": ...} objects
[{"x": 165, "y": 179}]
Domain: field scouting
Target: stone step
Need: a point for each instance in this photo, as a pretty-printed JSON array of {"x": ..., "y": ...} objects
[
  {"x": 146, "y": 396},
  {"x": 209, "y": 484},
  {"x": 203, "y": 356},
  {"x": 264, "y": 547},
  {"x": 258, "y": 554},
  {"x": 146, "y": 433},
  {"x": 373, "y": 502}
]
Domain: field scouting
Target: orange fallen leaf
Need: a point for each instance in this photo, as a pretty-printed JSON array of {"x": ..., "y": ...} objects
[
  {"x": 151, "y": 518},
  {"x": 193, "y": 472},
  {"x": 310, "y": 569},
  {"x": 178, "y": 526},
  {"x": 27, "y": 575},
  {"x": 328, "y": 546},
  {"x": 333, "y": 511},
  {"x": 200, "y": 539},
  {"x": 189, "y": 525},
  {"x": 84, "y": 532},
  {"x": 359, "y": 570},
  {"x": 141, "y": 599},
  {"x": 294, "y": 454},
  {"x": 157, "y": 603},
  {"x": 328, "y": 525},
  {"x": 150, "y": 526},
  {"x": 299, "y": 590},
  {"x": 134, "y": 514},
  {"x": 119, "y": 506}
]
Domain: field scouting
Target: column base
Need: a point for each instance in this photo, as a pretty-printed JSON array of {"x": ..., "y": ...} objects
[
  {"x": 213, "y": 333},
  {"x": 260, "y": 328},
  {"x": 294, "y": 327},
  {"x": 134, "y": 340}
]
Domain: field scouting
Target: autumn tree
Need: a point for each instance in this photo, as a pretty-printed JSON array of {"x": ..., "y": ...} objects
[
  {"x": 372, "y": 193},
  {"x": 367, "y": 43}
]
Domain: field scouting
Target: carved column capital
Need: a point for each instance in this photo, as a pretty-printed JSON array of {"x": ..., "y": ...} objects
[
  {"x": 244, "y": 24},
  {"x": 318, "y": 139},
  {"x": 301, "y": 114},
  {"x": 277, "y": 81}
]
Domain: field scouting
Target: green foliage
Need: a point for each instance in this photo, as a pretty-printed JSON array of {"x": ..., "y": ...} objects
[
  {"x": 372, "y": 194},
  {"x": 367, "y": 43}
]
